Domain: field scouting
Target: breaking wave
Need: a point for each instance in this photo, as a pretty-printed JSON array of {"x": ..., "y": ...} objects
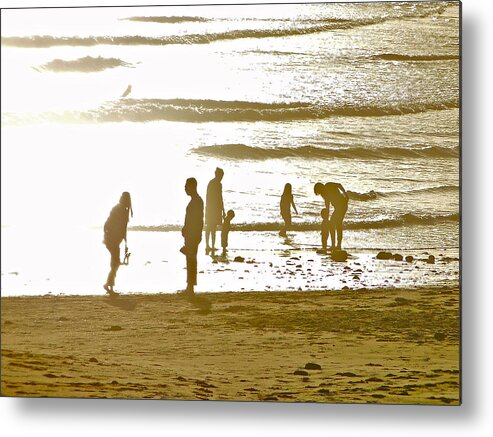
[
  {"x": 44, "y": 41},
  {"x": 414, "y": 58},
  {"x": 202, "y": 111},
  {"x": 241, "y": 151},
  {"x": 168, "y": 20},
  {"x": 303, "y": 27},
  {"x": 374, "y": 195},
  {"x": 83, "y": 65},
  {"x": 218, "y": 110},
  {"x": 404, "y": 220}
]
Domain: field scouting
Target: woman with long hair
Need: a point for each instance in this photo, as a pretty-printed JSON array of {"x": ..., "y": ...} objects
[
  {"x": 287, "y": 201},
  {"x": 115, "y": 231}
]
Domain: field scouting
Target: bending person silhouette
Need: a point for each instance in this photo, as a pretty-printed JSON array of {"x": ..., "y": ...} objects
[
  {"x": 192, "y": 232},
  {"x": 214, "y": 209},
  {"x": 115, "y": 231},
  {"x": 335, "y": 194},
  {"x": 287, "y": 201}
]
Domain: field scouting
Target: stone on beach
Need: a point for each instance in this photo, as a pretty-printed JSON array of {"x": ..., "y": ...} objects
[
  {"x": 313, "y": 366},
  {"x": 384, "y": 255},
  {"x": 339, "y": 255},
  {"x": 409, "y": 258}
]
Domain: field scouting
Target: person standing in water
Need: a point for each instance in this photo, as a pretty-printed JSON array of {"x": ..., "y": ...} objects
[
  {"x": 225, "y": 230},
  {"x": 115, "y": 231},
  {"x": 287, "y": 201},
  {"x": 335, "y": 194},
  {"x": 192, "y": 232},
  {"x": 214, "y": 209}
]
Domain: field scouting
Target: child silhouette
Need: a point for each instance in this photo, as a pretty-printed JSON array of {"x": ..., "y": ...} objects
[
  {"x": 325, "y": 227},
  {"x": 225, "y": 230}
]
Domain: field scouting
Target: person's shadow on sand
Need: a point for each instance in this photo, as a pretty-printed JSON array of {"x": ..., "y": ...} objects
[
  {"x": 288, "y": 241},
  {"x": 202, "y": 304},
  {"x": 223, "y": 258},
  {"x": 123, "y": 302}
]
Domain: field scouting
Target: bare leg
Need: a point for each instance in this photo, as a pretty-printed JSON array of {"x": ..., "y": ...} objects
[
  {"x": 207, "y": 234},
  {"x": 213, "y": 237},
  {"x": 332, "y": 233},
  {"x": 191, "y": 268},
  {"x": 338, "y": 218},
  {"x": 339, "y": 235},
  {"x": 284, "y": 228},
  {"x": 115, "y": 263}
]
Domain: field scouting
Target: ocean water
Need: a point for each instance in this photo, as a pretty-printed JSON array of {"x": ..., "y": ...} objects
[{"x": 364, "y": 94}]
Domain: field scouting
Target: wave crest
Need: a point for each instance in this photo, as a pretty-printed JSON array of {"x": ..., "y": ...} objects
[
  {"x": 203, "y": 111},
  {"x": 414, "y": 58},
  {"x": 404, "y": 220},
  {"x": 189, "y": 110},
  {"x": 302, "y": 27},
  {"x": 87, "y": 64},
  {"x": 241, "y": 151},
  {"x": 374, "y": 195},
  {"x": 167, "y": 20}
]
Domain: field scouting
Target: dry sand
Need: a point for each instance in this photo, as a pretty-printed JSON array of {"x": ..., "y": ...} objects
[{"x": 368, "y": 346}]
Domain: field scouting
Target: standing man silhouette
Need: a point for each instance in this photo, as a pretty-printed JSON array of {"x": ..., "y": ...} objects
[
  {"x": 192, "y": 232},
  {"x": 214, "y": 209}
]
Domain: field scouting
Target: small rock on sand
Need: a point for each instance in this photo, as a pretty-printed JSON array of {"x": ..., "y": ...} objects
[
  {"x": 440, "y": 336},
  {"x": 384, "y": 255},
  {"x": 326, "y": 392},
  {"x": 409, "y": 258},
  {"x": 397, "y": 257},
  {"x": 239, "y": 259},
  {"x": 313, "y": 366},
  {"x": 93, "y": 360},
  {"x": 431, "y": 259},
  {"x": 300, "y": 372}
]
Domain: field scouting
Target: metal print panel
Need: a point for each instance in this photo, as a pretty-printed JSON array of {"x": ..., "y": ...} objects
[{"x": 243, "y": 202}]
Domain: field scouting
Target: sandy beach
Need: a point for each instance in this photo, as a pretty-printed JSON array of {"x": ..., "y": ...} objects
[{"x": 396, "y": 346}]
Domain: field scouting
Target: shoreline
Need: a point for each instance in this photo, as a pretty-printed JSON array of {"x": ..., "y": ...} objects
[
  {"x": 350, "y": 346},
  {"x": 255, "y": 261}
]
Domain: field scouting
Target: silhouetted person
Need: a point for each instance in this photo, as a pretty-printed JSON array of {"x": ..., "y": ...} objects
[
  {"x": 335, "y": 194},
  {"x": 115, "y": 230},
  {"x": 225, "y": 230},
  {"x": 325, "y": 227},
  {"x": 214, "y": 209},
  {"x": 192, "y": 232},
  {"x": 287, "y": 201},
  {"x": 127, "y": 91}
]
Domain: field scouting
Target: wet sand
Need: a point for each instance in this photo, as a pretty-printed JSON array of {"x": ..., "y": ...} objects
[
  {"x": 269, "y": 263},
  {"x": 383, "y": 346}
]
